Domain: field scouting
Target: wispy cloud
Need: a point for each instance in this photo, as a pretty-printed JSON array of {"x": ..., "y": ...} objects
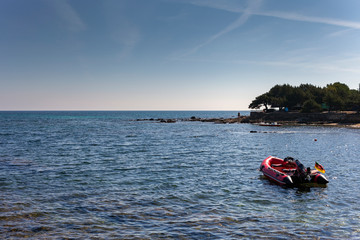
[
  {"x": 121, "y": 29},
  {"x": 230, "y": 6},
  {"x": 254, "y": 8},
  {"x": 68, "y": 15},
  {"x": 324, "y": 64},
  {"x": 341, "y": 32},
  {"x": 246, "y": 13},
  {"x": 333, "y": 67},
  {"x": 304, "y": 18},
  {"x": 127, "y": 36},
  {"x": 226, "y": 5}
]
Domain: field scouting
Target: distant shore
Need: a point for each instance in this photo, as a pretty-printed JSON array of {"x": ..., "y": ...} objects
[
  {"x": 244, "y": 119},
  {"x": 341, "y": 119}
]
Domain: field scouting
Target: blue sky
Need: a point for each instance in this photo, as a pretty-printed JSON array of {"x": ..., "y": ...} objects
[{"x": 170, "y": 54}]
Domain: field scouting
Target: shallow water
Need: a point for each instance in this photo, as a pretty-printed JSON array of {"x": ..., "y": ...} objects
[{"x": 102, "y": 175}]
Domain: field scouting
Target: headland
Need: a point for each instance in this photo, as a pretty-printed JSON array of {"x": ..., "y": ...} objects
[{"x": 341, "y": 119}]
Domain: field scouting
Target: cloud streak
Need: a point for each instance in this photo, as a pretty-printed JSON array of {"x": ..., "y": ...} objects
[
  {"x": 127, "y": 36},
  {"x": 246, "y": 14},
  {"x": 304, "y": 18},
  {"x": 343, "y": 65},
  {"x": 253, "y": 9},
  {"x": 231, "y": 7},
  {"x": 68, "y": 14}
]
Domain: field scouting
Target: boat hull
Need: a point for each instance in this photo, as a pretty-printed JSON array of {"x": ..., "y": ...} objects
[{"x": 284, "y": 173}]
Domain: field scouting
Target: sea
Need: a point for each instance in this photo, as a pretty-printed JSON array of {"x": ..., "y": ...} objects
[{"x": 106, "y": 175}]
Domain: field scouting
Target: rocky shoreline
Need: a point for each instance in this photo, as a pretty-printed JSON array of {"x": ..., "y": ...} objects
[
  {"x": 350, "y": 120},
  {"x": 242, "y": 119}
]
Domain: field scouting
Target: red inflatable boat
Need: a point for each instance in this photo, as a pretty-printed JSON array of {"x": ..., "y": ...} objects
[{"x": 290, "y": 172}]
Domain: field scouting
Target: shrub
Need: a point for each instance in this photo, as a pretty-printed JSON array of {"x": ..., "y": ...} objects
[{"x": 311, "y": 106}]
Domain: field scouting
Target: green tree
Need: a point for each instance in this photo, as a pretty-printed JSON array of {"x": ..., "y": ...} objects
[
  {"x": 296, "y": 98},
  {"x": 353, "y": 101},
  {"x": 313, "y": 92},
  {"x": 262, "y": 100},
  {"x": 278, "y": 95},
  {"x": 279, "y": 102},
  {"x": 287, "y": 96},
  {"x": 310, "y": 106},
  {"x": 336, "y": 95}
]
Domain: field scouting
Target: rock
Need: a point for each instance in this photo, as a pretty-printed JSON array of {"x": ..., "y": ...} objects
[{"x": 245, "y": 120}]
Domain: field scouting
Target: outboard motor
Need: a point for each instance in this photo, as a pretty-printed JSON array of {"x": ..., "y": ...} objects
[
  {"x": 288, "y": 159},
  {"x": 303, "y": 174}
]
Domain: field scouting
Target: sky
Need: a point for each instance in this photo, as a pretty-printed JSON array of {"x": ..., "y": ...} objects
[{"x": 171, "y": 54}]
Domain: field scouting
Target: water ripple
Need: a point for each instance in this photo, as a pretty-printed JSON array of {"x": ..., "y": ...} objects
[{"x": 100, "y": 176}]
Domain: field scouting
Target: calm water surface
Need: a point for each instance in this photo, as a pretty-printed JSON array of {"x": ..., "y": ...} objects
[{"x": 102, "y": 175}]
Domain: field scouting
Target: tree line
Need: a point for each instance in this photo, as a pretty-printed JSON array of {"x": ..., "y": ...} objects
[{"x": 309, "y": 98}]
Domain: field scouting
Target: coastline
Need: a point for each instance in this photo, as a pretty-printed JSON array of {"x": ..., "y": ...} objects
[{"x": 346, "y": 120}]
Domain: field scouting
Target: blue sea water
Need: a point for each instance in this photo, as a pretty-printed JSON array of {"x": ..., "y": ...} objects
[{"x": 104, "y": 175}]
